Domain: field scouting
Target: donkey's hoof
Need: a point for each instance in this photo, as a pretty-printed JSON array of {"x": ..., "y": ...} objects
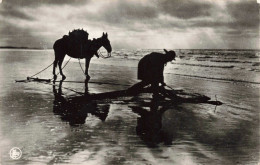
[
  {"x": 55, "y": 77},
  {"x": 63, "y": 77}
]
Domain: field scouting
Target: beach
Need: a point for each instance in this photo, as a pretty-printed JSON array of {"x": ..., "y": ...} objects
[{"x": 50, "y": 128}]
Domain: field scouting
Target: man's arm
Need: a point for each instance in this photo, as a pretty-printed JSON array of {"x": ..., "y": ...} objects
[
  {"x": 161, "y": 78},
  {"x": 96, "y": 54}
]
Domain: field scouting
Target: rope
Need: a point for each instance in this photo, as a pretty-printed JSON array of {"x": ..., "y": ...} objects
[
  {"x": 62, "y": 68},
  {"x": 93, "y": 82},
  {"x": 70, "y": 89},
  {"x": 42, "y": 70},
  {"x": 65, "y": 64},
  {"x": 48, "y": 67},
  {"x": 81, "y": 67},
  {"x": 169, "y": 87},
  {"x": 100, "y": 54}
]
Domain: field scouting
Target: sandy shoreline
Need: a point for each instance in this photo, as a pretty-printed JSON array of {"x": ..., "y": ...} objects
[{"x": 189, "y": 133}]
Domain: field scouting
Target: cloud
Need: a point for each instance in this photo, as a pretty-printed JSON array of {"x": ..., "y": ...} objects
[
  {"x": 33, "y": 3},
  {"x": 118, "y": 12},
  {"x": 12, "y": 12},
  {"x": 140, "y": 23},
  {"x": 131, "y": 10},
  {"x": 185, "y": 9},
  {"x": 245, "y": 14}
]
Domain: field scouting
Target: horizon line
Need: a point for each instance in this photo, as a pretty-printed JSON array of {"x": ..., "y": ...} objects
[{"x": 37, "y": 48}]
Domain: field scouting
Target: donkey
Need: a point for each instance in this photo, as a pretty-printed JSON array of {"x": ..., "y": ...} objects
[{"x": 86, "y": 50}]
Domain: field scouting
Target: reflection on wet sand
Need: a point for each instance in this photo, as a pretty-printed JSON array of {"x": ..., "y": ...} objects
[
  {"x": 162, "y": 127},
  {"x": 76, "y": 111},
  {"x": 149, "y": 124},
  {"x": 198, "y": 135}
]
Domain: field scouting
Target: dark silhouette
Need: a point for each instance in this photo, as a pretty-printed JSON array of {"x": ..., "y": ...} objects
[
  {"x": 150, "y": 70},
  {"x": 149, "y": 124},
  {"x": 77, "y": 45},
  {"x": 74, "y": 110}
]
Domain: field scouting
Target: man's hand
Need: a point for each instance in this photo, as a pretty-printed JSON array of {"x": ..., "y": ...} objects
[
  {"x": 96, "y": 54},
  {"x": 163, "y": 84}
]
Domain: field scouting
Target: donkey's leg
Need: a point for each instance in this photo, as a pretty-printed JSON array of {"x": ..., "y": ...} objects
[
  {"x": 60, "y": 64},
  {"x": 87, "y": 61}
]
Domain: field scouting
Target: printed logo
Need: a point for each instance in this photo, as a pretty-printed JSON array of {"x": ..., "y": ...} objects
[{"x": 15, "y": 153}]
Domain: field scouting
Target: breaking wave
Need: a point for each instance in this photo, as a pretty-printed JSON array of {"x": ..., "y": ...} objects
[
  {"x": 216, "y": 78},
  {"x": 201, "y": 65}
]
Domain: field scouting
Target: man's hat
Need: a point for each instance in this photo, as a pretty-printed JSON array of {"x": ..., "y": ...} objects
[{"x": 170, "y": 53}]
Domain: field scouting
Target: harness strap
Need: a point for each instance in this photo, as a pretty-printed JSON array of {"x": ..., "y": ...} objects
[
  {"x": 100, "y": 54},
  {"x": 42, "y": 70},
  {"x": 81, "y": 66}
]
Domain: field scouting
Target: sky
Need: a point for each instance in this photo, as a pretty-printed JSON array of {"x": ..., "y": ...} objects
[{"x": 133, "y": 24}]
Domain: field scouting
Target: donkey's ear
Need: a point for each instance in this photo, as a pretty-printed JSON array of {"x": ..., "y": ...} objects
[
  {"x": 165, "y": 50},
  {"x": 106, "y": 34},
  {"x": 103, "y": 34}
]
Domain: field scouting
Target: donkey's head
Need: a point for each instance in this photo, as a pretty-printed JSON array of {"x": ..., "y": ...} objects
[{"x": 106, "y": 43}]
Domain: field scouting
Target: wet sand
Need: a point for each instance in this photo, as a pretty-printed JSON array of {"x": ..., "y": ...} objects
[{"x": 51, "y": 128}]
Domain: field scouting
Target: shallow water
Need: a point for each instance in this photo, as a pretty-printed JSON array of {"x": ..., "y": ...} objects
[{"x": 55, "y": 128}]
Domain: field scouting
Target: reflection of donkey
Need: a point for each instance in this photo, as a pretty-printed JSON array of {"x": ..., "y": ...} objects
[
  {"x": 86, "y": 50},
  {"x": 74, "y": 110}
]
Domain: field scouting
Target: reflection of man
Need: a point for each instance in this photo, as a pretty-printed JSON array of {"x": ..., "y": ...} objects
[
  {"x": 150, "y": 70},
  {"x": 149, "y": 124}
]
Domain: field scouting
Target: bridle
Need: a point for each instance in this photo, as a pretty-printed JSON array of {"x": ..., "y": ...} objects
[{"x": 101, "y": 55}]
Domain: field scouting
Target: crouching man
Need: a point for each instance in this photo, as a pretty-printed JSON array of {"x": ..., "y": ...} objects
[{"x": 150, "y": 71}]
